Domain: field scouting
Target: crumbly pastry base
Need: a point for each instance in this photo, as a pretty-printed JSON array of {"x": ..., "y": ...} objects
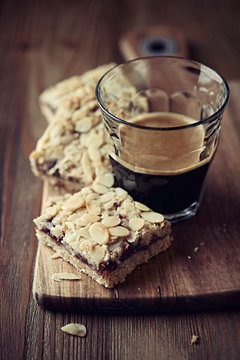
[{"x": 110, "y": 278}]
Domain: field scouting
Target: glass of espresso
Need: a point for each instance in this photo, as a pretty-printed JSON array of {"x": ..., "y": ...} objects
[{"x": 163, "y": 118}]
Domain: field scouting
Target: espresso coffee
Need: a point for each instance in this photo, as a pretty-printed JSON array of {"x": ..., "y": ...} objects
[{"x": 163, "y": 166}]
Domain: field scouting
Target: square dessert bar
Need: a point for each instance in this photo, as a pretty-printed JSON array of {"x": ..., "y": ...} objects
[
  {"x": 51, "y": 98},
  {"x": 103, "y": 232},
  {"x": 72, "y": 151}
]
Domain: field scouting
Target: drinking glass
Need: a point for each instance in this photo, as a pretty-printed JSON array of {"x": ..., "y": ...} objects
[{"x": 162, "y": 117}]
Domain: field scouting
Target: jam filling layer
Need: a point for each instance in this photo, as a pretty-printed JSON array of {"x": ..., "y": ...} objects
[{"x": 105, "y": 267}]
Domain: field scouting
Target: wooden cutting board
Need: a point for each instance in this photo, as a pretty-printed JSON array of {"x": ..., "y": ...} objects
[{"x": 200, "y": 271}]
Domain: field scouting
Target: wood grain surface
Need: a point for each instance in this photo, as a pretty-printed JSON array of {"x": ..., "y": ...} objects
[
  {"x": 201, "y": 270},
  {"x": 41, "y": 43}
]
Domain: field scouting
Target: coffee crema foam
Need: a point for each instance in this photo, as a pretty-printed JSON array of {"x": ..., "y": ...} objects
[{"x": 161, "y": 152}]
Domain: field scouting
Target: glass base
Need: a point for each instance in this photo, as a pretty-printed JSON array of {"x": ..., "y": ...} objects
[{"x": 184, "y": 214}]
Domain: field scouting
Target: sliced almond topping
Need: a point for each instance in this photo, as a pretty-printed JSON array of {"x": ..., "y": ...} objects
[
  {"x": 94, "y": 207},
  {"x": 75, "y": 329},
  {"x": 90, "y": 218},
  {"x": 80, "y": 222},
  {"x": 56, "y": 231},
  {"x": 86, "y": 246},
  {"x": 87, "y": 166},
  {"x": 91, "y": 196},
  {"x": 105, "y": 179},
  {"x": 71, "y": 237},
  {"x": 51, "y": 211},
  {"x": 74, "y": 216},
  {"x": 119, "y": 231},
  {"x": 64, "y": 276},
  {"x": 136, "y": 224},
  {"x": 99, "y": 233},
  {"x": 152, "y": 217},
  {"x": 94, "y": 153},
  {"x": 128, "y": 206},
  {"x": 106, "y": 197},
  {"x": 100, "y": 189},
  {"x": 84, "y": 233},
  {"x": 108, "y": 205},
  {"x": 75, "y": 202},
  {"x": 70, "y": 225},
  {"x": 141, "y": 206},
  {"x": 84, "y": 125},
  {"x": 96, "y": 139},
  {"x": 111, "y": 221},
  {"x": 100, "y": 167},
  {"x": 97, "y": 254},
  {"x": 132, "y": 237}
]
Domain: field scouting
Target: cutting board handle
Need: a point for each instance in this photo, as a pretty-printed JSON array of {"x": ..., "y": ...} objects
[{"x": 154, "y": 41}]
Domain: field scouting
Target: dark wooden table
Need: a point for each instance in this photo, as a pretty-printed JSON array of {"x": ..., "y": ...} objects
[{"x": 41, "y": 43}]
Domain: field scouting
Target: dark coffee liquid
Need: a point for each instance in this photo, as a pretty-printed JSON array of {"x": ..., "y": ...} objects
[
  {"x": 166, "y": 194},
  {"x": 162, "y": 169}
]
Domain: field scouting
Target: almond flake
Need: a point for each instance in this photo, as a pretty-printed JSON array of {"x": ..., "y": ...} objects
[
  {"x": 75, "y": 202},
  {"x": 64, "y": 276},
  {"x": 106, "y": 180},
  {"x": 94, "y": 153},
  {"x": 96, "y": 139},
  {"x": 90, "y": 218},
  {"x": 75, "y": 329},
  {"x": 128, "y": 206},
  {"x": 87, "y": 166},
  {"x": 136, "y": 224},
  {"x": 83, "y": 125},
  {"x": 84, "y": 233},
  {"x": 152, "y": 217},
  {"x": 56, "y": 231},
  {"x": 91, "y": 196},
  {"x": 86, "y": 246},
  {"x": 141, "y": 206},
  {"x": 72, "y": 237},
  {"x": 51, "y": 211},
  {"x": 100, "y": 189},
  {"x": 106, "y": 197},
  {"x": 108, "y": 205},
  {"x": 99, "y": 233},
  {"x": 97, "y": 253},
  {"x": 94, "y": 207},
  {"x": 132, "y": 237},
  {"x": 80, "y": 223},
  {"x": 119, "y": 231},
  {"x": 111, "y": 221}
]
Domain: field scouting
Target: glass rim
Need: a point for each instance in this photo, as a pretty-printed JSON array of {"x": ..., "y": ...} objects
[{"x": 149, "y": 58}]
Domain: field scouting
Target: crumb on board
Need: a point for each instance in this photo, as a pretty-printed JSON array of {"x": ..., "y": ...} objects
[
  {"x": 189, "y": 257},
  {"x": 196, "y": 249},
  {"x": 195, "y": 339}
]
